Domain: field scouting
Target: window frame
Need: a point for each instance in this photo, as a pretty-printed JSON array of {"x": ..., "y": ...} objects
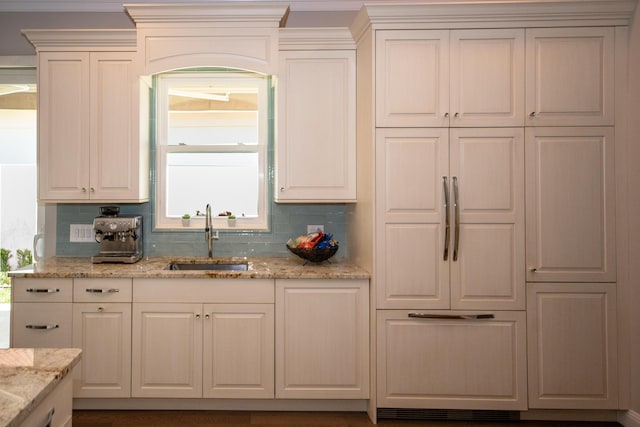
[{"x": 162, "y": 149}]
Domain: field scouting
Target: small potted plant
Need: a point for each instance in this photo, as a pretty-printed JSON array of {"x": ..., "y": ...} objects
[
  {"x": 231, "y": 220},
  {"x": 186, "y": 220}
]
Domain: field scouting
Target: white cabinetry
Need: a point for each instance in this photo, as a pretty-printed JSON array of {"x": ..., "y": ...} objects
[
  {"x": 41, "y": 313},
  {"x": 102, "y": 329},
  {"x": 572, "y": 345},
  {"x": 92, "y": 110},
  {"x": 570, "y": 76},
  {"x": 456, "y": 78},
  {"x": 570, "y": 204},
  {"x": 315, "y": 148},
  {"x": 451, "y": 218},
  {"x": 322, "y": 339},
  {"x": 183, "y": 347},
  {"x": 436, "y": 360}
]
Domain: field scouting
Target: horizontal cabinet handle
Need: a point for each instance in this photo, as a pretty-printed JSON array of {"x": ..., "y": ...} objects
[
  {"x": 43, "y": 290},
  {"x": 102, "y": 291},
  {"x": 451, "y": 316},
  {"x": 45, "y": 327}
]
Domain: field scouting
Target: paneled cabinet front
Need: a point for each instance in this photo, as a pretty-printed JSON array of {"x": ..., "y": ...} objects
[
  {"x": 182, "y": 347},
  {"x": 92, "y": 144},
  {"x": 451, "y": 361},
  {"x": 451, "y": 218},
  {"x": 456, "y": 78},
  {"x": 315, "y": 160}
]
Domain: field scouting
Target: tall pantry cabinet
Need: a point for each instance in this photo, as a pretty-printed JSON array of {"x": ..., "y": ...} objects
[{"x": 492, "y": 205}]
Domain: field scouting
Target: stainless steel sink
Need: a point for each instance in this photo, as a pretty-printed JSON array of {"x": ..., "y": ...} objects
[{"x": 207, "y": 266}]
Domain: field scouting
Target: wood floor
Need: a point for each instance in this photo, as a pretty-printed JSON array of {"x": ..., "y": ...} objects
[{"x": 275, "y": 419}]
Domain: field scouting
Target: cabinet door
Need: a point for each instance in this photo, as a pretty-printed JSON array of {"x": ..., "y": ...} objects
[
  {"x": 411, "y": 182},
  {"x": 115, "y": 142},
  {"x": 570, "y": 76},
  {"x": 570, "y": 204},
  {"x": 238, "y": 351},
  {"x": 572, "y": 345},
  {"x": 63, "y": 125},
  {"x": 412, "y": 78},
  {"x": 487, "y": 261},
  {"x": 316, "y": 137},
  {"x": 322, "y": 348},
  {"x": 41, "y": 324},
  {"x": 166, "y": 350},
  {"x": 103, "y": 332},
  {"x": 487, "y": 77},
  {"x": 450, "y": 363}
]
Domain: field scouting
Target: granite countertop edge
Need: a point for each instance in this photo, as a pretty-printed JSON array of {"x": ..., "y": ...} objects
[
  {"x": 154, "y": 267},
  {"x": 23, "y": 386}
]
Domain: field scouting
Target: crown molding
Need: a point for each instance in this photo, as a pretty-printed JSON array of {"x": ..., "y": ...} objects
[
  {"x": 82, "y": 39},
  {"x": 327, "y": 38}
]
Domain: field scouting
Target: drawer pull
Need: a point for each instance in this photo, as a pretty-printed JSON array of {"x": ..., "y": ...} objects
[
  {"x": 43, "y": 290},
  {"x": 451, "y": 316},
  {"x": 102, "y": 291},
  {"x": 44, "y": 327}
]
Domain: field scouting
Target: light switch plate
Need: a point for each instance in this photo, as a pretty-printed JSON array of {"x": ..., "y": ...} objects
[
  {"x": 81, "y": 233},
  {"x": 313, "y": 228}
]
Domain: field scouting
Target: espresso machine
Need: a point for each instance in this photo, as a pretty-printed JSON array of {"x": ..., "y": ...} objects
[{"x": 120, "y": 236}]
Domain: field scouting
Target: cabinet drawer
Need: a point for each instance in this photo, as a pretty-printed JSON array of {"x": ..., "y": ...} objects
[
  {"x": 204, "y": 290},
  {"x": 452, "y": 363},
  {"x": 96, "y": 290},
  {"x": 42, "y": 290},
  {"x": 42, "y": 325}
]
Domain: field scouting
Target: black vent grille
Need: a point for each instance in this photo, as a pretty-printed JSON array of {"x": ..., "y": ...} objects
[{"x": 447, "y": 414}]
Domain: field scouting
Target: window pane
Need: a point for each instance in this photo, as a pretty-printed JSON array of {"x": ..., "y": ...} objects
[
  {"x": 227, "y": 181},
  {"x": 213, "y": 128}
]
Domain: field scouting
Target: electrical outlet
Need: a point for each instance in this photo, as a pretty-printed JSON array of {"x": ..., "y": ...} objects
[
  {"x": 313, "y": 228},
  {"x": 81, "y": 233}
]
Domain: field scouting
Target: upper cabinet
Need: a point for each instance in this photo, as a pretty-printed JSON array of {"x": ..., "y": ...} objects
[
  {"x": 315, "y": 144},
  {"x": 570, "y": 76},
  {"x": 458, "y": 78},
  {"x": 92, "y": 117}
]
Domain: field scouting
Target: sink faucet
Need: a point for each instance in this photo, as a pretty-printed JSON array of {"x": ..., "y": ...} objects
[{"x": 208, "y": 231}]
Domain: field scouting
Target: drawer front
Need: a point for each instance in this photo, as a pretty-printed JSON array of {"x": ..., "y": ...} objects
[
  {"x": 41, "y": 325},
  {"x": 236, "y": 291},
  {"x": 42, "y": 290},
  {"x": 96, "y": 290}
]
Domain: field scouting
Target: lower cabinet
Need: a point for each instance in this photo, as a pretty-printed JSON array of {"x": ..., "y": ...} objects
[
  {"x": 451, "y": 361},
  {"x": 572, "y": 345},
  {"x": 194, "y": 338},
  {"x": 322, "y": 339}
]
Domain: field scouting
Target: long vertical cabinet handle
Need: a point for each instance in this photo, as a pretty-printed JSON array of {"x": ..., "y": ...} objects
[
  {"x": 445, "y": 190},
  {"x": 456, "y": 217}
]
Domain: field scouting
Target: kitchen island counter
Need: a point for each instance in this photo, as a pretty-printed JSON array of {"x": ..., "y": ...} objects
[
  {"x": 155, "y": 267},
  {"x": 28, "y": 376}
]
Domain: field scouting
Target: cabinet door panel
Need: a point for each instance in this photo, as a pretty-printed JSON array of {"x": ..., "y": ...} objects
[
  {"x": 414, "y": 273},
  {"x": 167, "y": 350},
  {"x": 415, "y": 95},
  {"x": 316, "y": 148},
  {"x": 487, "y": 77},
  {"x": 572, "y": 345},
  {"x": 570, "y": 205},
  {"x": 451, "y": 363},
  {"x": 238, "y": 351},
  {"x": 114, "y": 102},
  {"x": 487, "y": 173},
  {"x": 63, "y": 114},
  {"x": 103, "y": 332},
  {"x": 322, "y": 349},
  {"x": 570, "y": 76}
]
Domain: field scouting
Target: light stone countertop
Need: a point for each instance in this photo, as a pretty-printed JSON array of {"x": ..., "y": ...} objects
[
  {"x": 27, "y": 376},
  {"x": 154, "y": 267}
]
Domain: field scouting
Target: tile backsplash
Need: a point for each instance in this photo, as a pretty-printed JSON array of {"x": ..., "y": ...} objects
[{"x": 287, "y": 220}]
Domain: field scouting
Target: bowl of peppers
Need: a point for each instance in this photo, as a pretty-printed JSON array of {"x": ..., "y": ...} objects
[{"x": 314, "y": 247}]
